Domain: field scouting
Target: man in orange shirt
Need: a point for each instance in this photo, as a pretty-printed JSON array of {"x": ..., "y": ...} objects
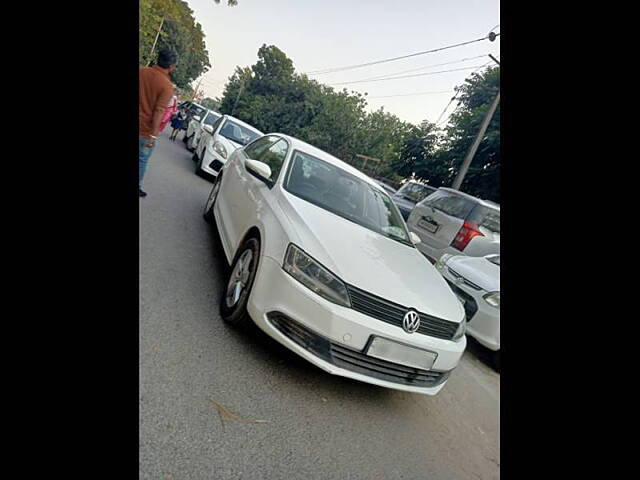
[{"x": 155, "y": 93}]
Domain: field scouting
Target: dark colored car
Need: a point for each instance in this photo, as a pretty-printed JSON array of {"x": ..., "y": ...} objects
[
  {"x": 410, "y": 194},
  {"x": 387, "y": 188}
]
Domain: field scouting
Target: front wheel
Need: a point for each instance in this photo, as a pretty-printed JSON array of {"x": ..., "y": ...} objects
[{"x": 233, "y": 304}]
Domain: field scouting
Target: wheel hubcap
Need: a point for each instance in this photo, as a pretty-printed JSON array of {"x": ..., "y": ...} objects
[{"x": 239, "y": 278}]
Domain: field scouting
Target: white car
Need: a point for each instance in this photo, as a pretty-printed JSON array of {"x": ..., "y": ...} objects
[
  {"x": 219, "y": 141},
  {"x": 322, "y": 261},
  {"x": 450, "y": 221},
  {"x": 476, "y": 281},
  {"x": 196, "y": 127}
]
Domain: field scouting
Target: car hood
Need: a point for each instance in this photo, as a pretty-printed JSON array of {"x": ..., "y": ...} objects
[
  {"x": 477, "y": 270},
  {"x": 370, "y": 261}
]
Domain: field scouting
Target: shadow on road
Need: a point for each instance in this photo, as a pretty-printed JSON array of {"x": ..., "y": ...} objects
[{"x": 480, "y": 352}]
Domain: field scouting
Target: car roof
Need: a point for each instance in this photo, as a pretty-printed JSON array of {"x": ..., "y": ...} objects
[
  {"x": 298, "y": 144},
  {"x": 240, "y": 122},
  {"x": 420, "y": 183},
  {"x": 486, "y": 203}
]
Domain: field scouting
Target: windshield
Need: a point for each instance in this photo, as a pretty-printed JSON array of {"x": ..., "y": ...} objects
[
  {"x": 415, "y": 192},
  {"x": 346, "y": 195},
  {"x": 238, "y": 133},
  {"x": 211, "y": 118},
  {"x": 197, "y": 111}
]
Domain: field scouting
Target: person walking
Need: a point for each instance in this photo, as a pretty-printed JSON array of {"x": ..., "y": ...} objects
[
  {"x": 155, "y": 91},
  {"x": 170, "y": 111},
  {"x": 178, "y": 123}
]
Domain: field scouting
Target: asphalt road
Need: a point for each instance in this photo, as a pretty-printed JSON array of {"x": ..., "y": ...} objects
[{"x": 315, "y": 425}]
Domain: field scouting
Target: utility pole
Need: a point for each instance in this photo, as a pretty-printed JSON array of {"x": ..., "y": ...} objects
[
  {"x": 155, "y": 41},
  {"x": 195, "y": 92},
  {"x": 237, "y": 98},
  {"x": 476, "y": 143}
]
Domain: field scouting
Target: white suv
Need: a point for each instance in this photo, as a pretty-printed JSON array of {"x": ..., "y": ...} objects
[
  {"x": 197, "y": 125},
  {"x": 450, "y": 221}
]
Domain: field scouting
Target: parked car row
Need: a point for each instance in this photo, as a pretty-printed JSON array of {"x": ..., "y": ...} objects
[{"x": 323, "y": 261}]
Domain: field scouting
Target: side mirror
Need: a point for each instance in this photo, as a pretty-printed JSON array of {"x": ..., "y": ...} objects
[
  {"x": 259, "y": 169},
  {"x": 208, "y": 128},
  {"x": 414, "y": 238},
  {"x": 196, "y": 118}
]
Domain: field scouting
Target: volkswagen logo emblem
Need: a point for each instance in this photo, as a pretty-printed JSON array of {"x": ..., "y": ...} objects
[{"x": 411, "y": 321}]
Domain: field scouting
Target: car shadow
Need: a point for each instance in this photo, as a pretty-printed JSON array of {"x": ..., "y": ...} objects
[{"x": 480, "y": 352}]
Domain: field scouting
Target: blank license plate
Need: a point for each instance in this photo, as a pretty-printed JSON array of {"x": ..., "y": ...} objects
[
  {"x": 403, "y": 354},
  {"x": 430, "y": 227}
]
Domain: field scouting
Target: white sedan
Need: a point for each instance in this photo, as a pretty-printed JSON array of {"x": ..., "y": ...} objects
[
  {"x": 476, "y": 281},
  {"x": 219, "y": 141},
  {"x": 322, "y": 261}
]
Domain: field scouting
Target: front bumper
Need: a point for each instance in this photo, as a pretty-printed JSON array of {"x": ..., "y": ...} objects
[
  {"x": 208, "y": 158},
  {"x": 346, "y": 333},
  {"x": 483, "y": 320}
]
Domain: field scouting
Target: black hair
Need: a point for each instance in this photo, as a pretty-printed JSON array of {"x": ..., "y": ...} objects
[{"x": 166, "y": 58}]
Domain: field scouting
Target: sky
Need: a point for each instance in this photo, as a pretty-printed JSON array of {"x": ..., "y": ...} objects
[{"x": 318, "y": 35}]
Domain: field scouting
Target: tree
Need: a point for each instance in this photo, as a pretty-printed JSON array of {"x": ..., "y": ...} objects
[
  {"x": 418, "y": 154},
  {"x": 173, "y": 24},
  {"x": 211, "y": 103},
  {"x": 483, "y": 176}
]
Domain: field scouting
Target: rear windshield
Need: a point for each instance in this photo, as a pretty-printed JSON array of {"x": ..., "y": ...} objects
[{"x": 486, "y": 217}]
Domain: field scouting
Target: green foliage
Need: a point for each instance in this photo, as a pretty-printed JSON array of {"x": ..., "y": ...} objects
[
  {"x": 211, "y": 103},
  {"x": 273, "y": 98},
  {"x": 483, "y": 177},
  {"x": 180, "y": 33}
]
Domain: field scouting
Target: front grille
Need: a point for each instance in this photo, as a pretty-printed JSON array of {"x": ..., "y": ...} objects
[
  {"x": 354, "y": 360},
  {"x": 467, "y": 282},
  {"x": 470, "y": 305},
  {"x": 216, "y": 165},
  {"x": 393, "y": 314}
]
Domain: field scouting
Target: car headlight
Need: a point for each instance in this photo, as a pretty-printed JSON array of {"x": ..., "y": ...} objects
[
  {"x": 493, "y": 299},
  {"x": 462, "y": 328},
  {"x": 314, "y": 276},
  {"x": 220, "y": 150},
  {"x": 442, "y": 261}
]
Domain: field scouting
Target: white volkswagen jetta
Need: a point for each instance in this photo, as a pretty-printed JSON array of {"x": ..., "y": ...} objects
[{"x": 323, "y": 263}]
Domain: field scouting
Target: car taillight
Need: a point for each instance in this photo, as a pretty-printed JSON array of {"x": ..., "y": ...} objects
[{"x": 464, "y": 236}]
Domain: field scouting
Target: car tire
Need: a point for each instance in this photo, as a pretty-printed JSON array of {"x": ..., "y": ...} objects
[
  {"x": 235, "y": 295},
  {"x": 199, "y": 170},
  {"x": 185, "y": 138},
  {"x": 211, "y": 202}
]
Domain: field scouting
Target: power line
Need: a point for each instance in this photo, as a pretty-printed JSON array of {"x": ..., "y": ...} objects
[
  {"x": 411, "y": 94},
  {"x": 420, "y": 68},
  {"x": 437, "y": 122},
  {"x": 405, "y": 76},
  {"x": 360, "y": 65}
]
